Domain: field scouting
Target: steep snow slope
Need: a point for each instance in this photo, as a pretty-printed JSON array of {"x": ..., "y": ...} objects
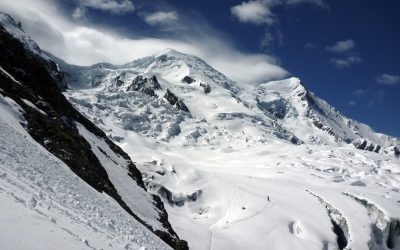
[
  {"x": 44, "y": 204},
  {"x": 266, "y": 167}
]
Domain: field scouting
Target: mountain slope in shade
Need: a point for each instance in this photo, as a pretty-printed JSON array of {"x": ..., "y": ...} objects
[{"x": 28, "y": 83}]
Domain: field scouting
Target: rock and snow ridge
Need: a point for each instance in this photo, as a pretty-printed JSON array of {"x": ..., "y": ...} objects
[
  {"x": 265, "y": 167},
  {"x": 28, "y": 86}
]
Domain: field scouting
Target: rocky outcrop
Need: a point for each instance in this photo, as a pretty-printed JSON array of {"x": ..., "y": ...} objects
[
  {"x": 175, "y": 101},
  {"x": 145, "y": 85},
  {"x": 206, "y": 87},
  {"x": 51, "y": 121},
  {"x": 188, "y": 80},
  {"x": 366, "y": 145}
]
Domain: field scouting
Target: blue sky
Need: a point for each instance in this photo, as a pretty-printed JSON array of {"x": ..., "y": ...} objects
[{"x": 347, "y": 52}]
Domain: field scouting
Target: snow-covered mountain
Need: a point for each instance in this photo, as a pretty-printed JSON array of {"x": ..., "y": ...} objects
[
  {"x": 245, "y": 166},
  {"x": 315, "y": 121},
  {"x": 286, "y": 109},
  {"x": 270, "y": 166}
]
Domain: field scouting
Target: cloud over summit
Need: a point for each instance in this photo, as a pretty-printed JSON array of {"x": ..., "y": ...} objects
[{"x": 85, "y": 44}]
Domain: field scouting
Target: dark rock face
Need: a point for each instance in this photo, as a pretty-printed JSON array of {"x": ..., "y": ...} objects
[
  {"x": 145, "y": 85},
  {"x": 173, "y": 199},
  {"x": 396, "y": 151},
  {"x": 366, "y": 145},
  {"x": 206, "y": 87},
  {"x": 175, "y": 101},
  {"x": 56, "y": 73},
  {"x": 188, "y": 80},
  {"x": 56, "y": 130}
]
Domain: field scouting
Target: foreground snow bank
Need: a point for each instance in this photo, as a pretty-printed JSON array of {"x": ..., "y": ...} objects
[{"x": 45, "y": 205}]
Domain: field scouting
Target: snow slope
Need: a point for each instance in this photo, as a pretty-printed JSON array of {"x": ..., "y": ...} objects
[
  {"x": 266, "y": 167},
  {"x": 45, "y": 205}
]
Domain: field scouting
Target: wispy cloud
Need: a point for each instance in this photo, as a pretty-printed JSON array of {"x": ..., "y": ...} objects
[
  {"x": 342, "y": 46},
  {"x": 84, "y": 44},
  {"x": 348, "y": 56},
  {"x": 79, "y": 13},
  {"x": 319, "y": 3},
  {"x": 387, "y": 79},
  {"x": 352, "y": 103},
  {"x": 346, "y": 62},
  {"x": 377, "y": 97},
  {"x": 272, "y": 38},
  {"x": 310, "y": 45},
  {"x": 360, "y": 93},
  {"x": 161, "y": 18},
  {"x": 113, "y": 6},
  {"x": 369, "y": 97}
]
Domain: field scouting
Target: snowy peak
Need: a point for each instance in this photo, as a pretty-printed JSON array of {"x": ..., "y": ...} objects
[
  {"x": 312, "y": 119},
  {"x": 284, "y": 86},
  {"x": 170, "y": 52},
  {"x": 285, "y": 108}
]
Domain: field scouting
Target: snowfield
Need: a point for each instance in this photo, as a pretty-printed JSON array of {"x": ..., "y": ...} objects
[{"x": 265, "y": 167}]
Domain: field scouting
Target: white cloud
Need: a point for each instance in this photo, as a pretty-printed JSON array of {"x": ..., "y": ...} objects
[
  {"x": 346, "y": 62},
  {"x": 260, "y": 11},
  {"x": 271, "y": 38},
  {"x": 161, "y": 18},
  {"x": 85, "y": 45},
  {"x": 257, "y": 12},
  {"x": 342, "y": 46},
  {"x": 387, "y": 79},
  {"x": 114, "y": 6}
]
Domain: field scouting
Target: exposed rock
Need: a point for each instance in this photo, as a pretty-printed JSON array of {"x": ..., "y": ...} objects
[
  {"x": 145, "y": 85},
  {"x": 175, "y": 101},
  {"x": 177, "y": 199},
  {"x": 206, "y": 87},
  {"x": 188, "y": 80},
  {"x": 366, "y": 145}
]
